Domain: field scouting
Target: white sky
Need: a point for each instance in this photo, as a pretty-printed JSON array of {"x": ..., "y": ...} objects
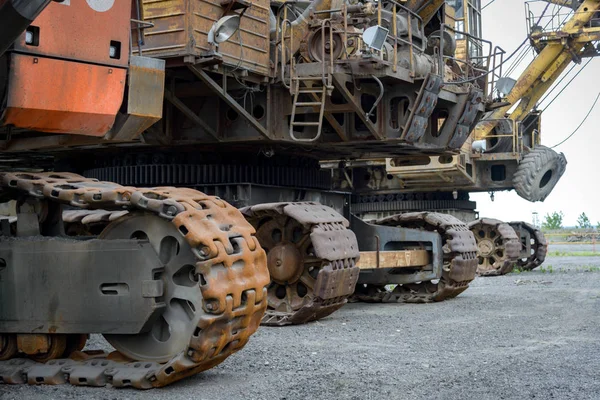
[{"x": 578, "y": 190}]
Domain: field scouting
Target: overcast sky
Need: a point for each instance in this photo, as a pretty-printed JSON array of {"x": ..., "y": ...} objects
[{"x": 578, "y": 190}]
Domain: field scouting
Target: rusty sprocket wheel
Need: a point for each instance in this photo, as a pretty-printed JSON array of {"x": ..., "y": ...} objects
[
  {"x": 292, "y": 263},
  {"x": 498, "y": 246}
]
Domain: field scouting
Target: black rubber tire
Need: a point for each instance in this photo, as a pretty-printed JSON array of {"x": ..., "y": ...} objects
[
  {"x": 538, "y": 173},
  {"x": 499, "y": 145}
]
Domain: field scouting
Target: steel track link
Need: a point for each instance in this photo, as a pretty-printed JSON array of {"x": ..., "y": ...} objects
[
  {"x": 539, "y": 246},
  {"x": 233, "y": 307},
  {"x": 459, "y": 261},
  {"x": 325, "y": 264}
]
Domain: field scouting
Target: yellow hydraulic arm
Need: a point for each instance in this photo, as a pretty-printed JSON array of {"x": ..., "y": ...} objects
[
  {"x": 425, "y": 9},
  {"x": 559, "y": 49}
]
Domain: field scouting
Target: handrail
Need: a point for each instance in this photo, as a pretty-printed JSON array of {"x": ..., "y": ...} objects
[
  {"x": 477, "y": 66},
  {"x": 283, "y": 8},
  {"x": 141, "y": 25},
  {"x": 326, "y": 77},
  {"x": 516, "y": 134},
  {"x": 496, "y": 70},
  {"x": 547, "y": 22},
  {"x": 393, "y": 38},
  {"x": 285, "y": 23},
  {"x": 409, "y": 42}
]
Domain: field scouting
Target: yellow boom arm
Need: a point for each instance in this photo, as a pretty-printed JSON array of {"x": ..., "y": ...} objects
[{"x": 560, "y": 49}]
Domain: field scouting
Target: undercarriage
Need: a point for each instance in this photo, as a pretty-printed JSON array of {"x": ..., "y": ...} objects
[
  {"x": 190, "y": 273},
  {"x": 152, "y": 281},
  {"x": 501, "y": 246}
]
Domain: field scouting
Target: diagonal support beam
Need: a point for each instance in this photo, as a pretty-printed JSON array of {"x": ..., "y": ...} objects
[
  {"x": 190, "y": 114},
  {"x": 427, "y": 11},
  {"x": 204, "y": 77},
  {"x": 331, "y": 119},
  {"x": 340, "y": 83}
]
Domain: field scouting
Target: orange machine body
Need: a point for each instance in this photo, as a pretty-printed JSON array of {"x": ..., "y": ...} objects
[{"x": 63, "y": 76}]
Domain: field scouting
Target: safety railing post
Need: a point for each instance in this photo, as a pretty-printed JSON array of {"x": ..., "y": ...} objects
[
  {"x": 441, "y": 50},
  {"x": 284, "y": 25},
  {"x": 410, "y": 48},
  {"x": 395, "y": 30}
]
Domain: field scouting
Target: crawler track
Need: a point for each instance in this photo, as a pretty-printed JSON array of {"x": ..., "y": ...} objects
[
  {"x": 538, "y": 246},
  {"x": 312, "y": 259},
  {"x": 498, "y": 246},
  {"x": 233, "y": 307},
  {"x": 459, "y": 261}
]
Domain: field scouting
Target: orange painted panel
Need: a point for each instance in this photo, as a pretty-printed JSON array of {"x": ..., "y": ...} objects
[
  {"x": 60, "y": 96},
  {"x": 82, "y": 30}
]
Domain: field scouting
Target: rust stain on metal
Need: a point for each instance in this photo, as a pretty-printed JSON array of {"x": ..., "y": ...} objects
[
  {"x": 31, "y": 344},
  {"x": 181, "y": 28},
  {"x": 231, "y": 262}
]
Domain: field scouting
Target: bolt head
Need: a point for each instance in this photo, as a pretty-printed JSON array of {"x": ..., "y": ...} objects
[{"x": 171, "y": 210}]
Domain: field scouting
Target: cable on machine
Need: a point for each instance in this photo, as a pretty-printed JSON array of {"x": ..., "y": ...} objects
[{"x": 581, "y": 123}]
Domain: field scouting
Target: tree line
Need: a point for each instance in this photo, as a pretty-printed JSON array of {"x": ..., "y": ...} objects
[{"x": 554, "y": 220}]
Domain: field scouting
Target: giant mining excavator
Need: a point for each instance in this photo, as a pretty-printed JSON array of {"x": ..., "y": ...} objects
[
  {"x": 504, "y": 149},
  {"x": 162, "y": 168}
]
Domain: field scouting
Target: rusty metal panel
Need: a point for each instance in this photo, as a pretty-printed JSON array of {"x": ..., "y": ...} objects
[
  {"x": 249, "y": 48},
  {"x": 146, "y": 87},
  {"x": 144, "y": 100},
  {"x": 60, "y": 96},
  {"x": 74, "y": 30},
  {"x": 181, "y": 28},
  {"x": 335, "y": 282},
  {"x": 33, "y": 343},
  {"x": 426, "y": 101},
  {"x": 169, "y": 35},
  {"x": 327, "y": 244}
]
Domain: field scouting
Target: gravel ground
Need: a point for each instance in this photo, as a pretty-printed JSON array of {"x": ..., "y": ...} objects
[
  {"x": 574, "y": 247},
  {"x": 520, "y": 336}
]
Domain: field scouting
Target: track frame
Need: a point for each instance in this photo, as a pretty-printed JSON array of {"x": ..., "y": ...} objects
[{"x": 401, "y": 242}]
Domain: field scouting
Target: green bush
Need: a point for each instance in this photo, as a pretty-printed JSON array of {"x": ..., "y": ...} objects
[{"x": 553, "y": 221}]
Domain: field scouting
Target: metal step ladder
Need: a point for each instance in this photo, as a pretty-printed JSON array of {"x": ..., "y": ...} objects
[
  {"x": 314, "y": 87},
  {"x": 317, "y": 87}
]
